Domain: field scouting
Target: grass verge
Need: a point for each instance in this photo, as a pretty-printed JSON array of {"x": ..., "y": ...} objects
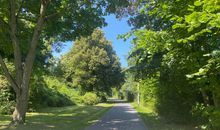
[
  {"x": 62, "y": 118},
  {"x": 154, "y": 122}
]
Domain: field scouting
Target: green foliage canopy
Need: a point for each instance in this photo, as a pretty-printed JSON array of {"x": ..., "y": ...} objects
[
  {"x": 183, "y": 38},
  {"x": 92, "y": 64}
]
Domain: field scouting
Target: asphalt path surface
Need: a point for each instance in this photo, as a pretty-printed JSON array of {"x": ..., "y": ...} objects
[{"x": 122, "y": 116}]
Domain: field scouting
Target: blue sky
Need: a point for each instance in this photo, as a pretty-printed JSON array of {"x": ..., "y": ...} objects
[{"x": 115, "y": 27}]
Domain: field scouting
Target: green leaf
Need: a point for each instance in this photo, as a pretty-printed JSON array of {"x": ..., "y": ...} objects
[{"x": 198, "y": 3}]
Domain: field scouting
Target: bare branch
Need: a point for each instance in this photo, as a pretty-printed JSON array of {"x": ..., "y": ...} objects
[{"x": 8, "y": 75}]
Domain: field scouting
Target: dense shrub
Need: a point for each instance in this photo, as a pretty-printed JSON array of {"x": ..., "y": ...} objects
[
  {"x": 90, "y": 99},
  {"x": 148, "y": 91},
  {"x": 208, "y": 118},
  {"x": 215, "y": 120},
  {"x": 128, "y": 90},
  {"x": 6, "y": 97},
  {"x": 200, "y": 114},
  {"x": 46, "y": 91},
  {"x": 175, "y": 96},
  {"x": 44, "y": 96},
  {"x": 102, "y": 96},
  {"x": 63, "y": 87},
  {"x": 130, "y": 96},
  {"x": 49, "y": 91}
]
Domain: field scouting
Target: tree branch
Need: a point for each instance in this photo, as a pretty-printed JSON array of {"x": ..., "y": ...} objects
[
  {"x": 8, "y": 75},
  {"x": 34, "y": 42},
  {"x": 52, "y": 15},
  {"x": 15, "y": 43}
]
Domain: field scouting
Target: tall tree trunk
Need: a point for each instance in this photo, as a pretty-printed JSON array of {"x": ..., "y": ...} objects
[
  {"x": 19, "y": 113},
  {"x": 21, "y": 93},
  {"x": 20, "y": 83},
  {"x": 23, "y": 74}
]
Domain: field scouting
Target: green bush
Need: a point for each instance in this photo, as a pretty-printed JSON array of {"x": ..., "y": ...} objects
[
  {"x": 215, "y": 120},
  {"x": 102, "y": 96},
  {"x": 130, "y": 96},
  {"x": 49, "y": 91},
  {"x": 200, "y": 114},
  {"x": 7, "y": 102},
  {"x": 90, "y": 99},
  {"x": 175, "y": 96},
  {"x": 207, "y": 117},
  {"x": 63, "y": 87}
]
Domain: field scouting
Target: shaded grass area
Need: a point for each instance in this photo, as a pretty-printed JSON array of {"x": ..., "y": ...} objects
[
  {"x": 62, "y": 118},
  {"x": 154, "y": 122}
]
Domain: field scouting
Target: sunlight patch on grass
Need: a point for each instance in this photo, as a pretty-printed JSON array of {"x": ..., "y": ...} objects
[
  {"x": 93, "y": 121},
  {"x": 72, "y": 117},
  {"x": 37, "y": 114}
]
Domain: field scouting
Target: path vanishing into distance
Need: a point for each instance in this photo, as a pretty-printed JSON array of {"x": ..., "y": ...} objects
[{"x": 122, "y": 116}]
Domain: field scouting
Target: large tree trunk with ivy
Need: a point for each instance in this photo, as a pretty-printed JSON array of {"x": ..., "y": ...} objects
[{"x": 23, "y": 68}]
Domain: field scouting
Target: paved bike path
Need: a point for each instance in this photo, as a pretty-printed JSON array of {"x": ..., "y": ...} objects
[{"x": 121, "y": 117}]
